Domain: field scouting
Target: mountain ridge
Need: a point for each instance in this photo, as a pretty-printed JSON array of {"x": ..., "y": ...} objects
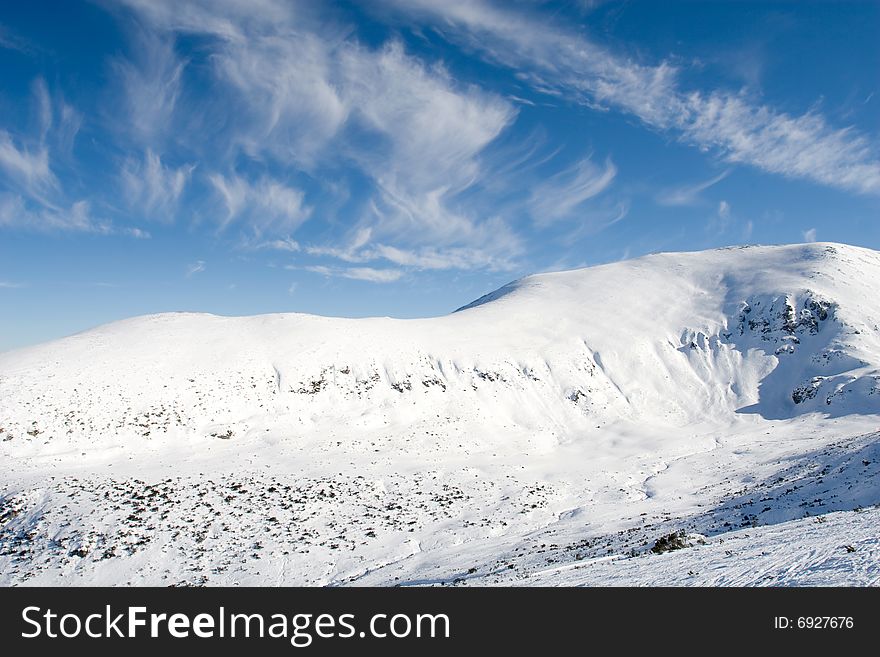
[
  {"x": 578, "y": 416},
  {"x": 780, "y": 340}
]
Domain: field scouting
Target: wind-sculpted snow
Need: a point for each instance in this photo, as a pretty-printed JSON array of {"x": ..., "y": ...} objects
[{"x": 565, "y": 417}]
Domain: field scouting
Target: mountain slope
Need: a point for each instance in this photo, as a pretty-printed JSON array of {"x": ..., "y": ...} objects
[
  {"x": 581, "y": 403},
  {"x": 671, "y": 338}
]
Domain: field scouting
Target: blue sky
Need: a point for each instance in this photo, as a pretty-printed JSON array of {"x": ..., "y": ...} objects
[{"x": 405, "y": 157}]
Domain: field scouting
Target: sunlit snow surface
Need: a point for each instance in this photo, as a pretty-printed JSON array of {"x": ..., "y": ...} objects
[{"x": 547, "y": 434}]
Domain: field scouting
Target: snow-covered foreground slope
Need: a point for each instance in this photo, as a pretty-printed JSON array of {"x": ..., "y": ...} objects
[{"x": 565, "y": 418}]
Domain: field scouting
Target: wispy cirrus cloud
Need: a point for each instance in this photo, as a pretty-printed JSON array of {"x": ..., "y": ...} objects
[
  {"x": 282, "y": 244},
  {"x": 25, "y": 160},
  {"x": 448, "y": 258},
  {"x": 735, "y": 125},
  {"x": 368, "y": 274},
  {"x": 67, "y": 217},
  {"x": 433, "y": 134},
  {"x": 151, "y": 83},
  {"x": 154, "y": 188},
  {"x": 269, "y": 205},
  {"x": 285, "y": 92},
  {"x": 137, "y": 233},
  {"x": 349, "y": 252},
  {"x": 58, "y": 123},
  {"x": 196, "y": 267},
  {"x": 296, "y": 90},
  {"x": 36, "y": 200},
  {"x": 28, "y": 167},
  {"x": 593, "y": 220},
  {"x": 362, "y": 249},
  {"x": 561, "y": 194},
  {"x": 11, "y": 41},
  {"x": 686, "y": 195},
  {"x": 721, "y": 219}
]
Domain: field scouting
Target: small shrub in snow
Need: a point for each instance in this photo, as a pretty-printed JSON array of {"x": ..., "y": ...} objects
[{"x": 674, "y": 541}]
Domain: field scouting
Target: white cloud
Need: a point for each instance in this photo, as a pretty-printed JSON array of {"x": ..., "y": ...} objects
[
  {"x": 810, "y": 235},
  {"x": 282, "y": 99},
  {"x": 350, "y": 252},
  {"x": 150, "y": 86},
  {"x": 12, "y": 41},
  {"x": 38, "y": 200},
  {"x": 560, "y": 195},
  {"x": 414, "y": 220},
  {"x": 361, "y": 250},
  {"x": 23, "y": 166},
  {"x": 562, "y": 62},
  {"x": 233, "y": 191},
  {"x": 284, "y": 244},
  {"x": 286, "y": 101},
  {"x": 78, "y": 217},
  {"x": 803, "y": 146},
  {"x": 137, "y": 233},
  {"x": 196, "y": 267},
  {"x": 229, "y": 20},
  {"x": 358, "y": 273},
  {"x": 154, "y": 188},
  {"x": 16, "y": 211},
  {"x": 44, "y": 106},
  {"x": 434, "y": 129},
  {"x": 371, "y": 274},
  {"x": 67, "y": 127},
  {"x": 720, "y": 221},
  {"x": 58, "y": 122},
  {"x": 689, "y": 194},
  {"x": 433, "y": 133},
  {"x": 448, "y": 258},
  {"x": 269, "y": 205},
  {"x": 10, "y": 286},
  {"x": 296, "y": 89},
  {"x": 594, "y": 220}
]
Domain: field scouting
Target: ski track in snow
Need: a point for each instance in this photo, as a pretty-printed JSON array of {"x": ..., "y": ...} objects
[{"x": 547, "y": 434}]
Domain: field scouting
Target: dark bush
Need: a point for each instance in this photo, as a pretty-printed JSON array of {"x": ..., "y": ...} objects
[{"x": 673, "y": 541}]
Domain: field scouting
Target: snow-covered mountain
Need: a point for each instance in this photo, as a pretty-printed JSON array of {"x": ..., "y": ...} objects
[{"x": 565, "y": 418}]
